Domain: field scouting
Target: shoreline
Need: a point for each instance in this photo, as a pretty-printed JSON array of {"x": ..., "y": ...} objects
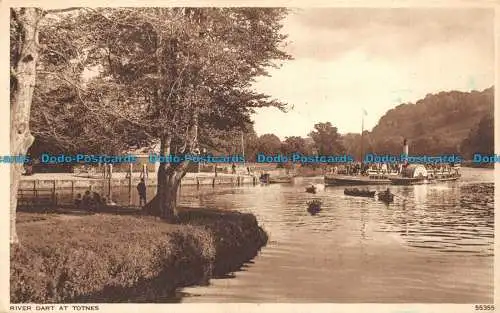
[
  {"x": 70, "y": 181},
  {"x": 99, "y": 258}
]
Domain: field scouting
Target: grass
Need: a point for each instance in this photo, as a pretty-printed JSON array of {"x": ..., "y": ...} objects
[{"x": 116, "y": 258}]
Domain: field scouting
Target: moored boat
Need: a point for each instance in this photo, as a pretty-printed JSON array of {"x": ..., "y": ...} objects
[
  {"x": 280, "y": 180},
  {"x": 359, "y": 192},
  {"x": 436, "y": 176},
  {"x": 449, "y": 178},
  {"x": 346, "y": 180},
  {"x": 264, "y": 178}
]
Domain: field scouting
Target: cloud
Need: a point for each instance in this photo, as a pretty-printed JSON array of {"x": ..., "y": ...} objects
[
  {"x": 326, "y": 33},
  {"x": 350, "y": 59}
]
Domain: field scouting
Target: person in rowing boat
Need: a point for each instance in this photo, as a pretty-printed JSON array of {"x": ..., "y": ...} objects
[
  {"x": 387, "y": 192},
  {"x": 311, "y": 189}
]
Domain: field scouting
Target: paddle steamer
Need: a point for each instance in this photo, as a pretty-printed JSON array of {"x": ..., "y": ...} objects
[{"x": 409, "y": 174}]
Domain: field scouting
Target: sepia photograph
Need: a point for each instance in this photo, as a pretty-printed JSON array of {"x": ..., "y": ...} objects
[{"x": 250, "y": 154}]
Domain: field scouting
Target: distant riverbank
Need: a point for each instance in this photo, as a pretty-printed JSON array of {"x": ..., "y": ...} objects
[
  {"x": 477, "y": 165},
  {"x": 65, "y": 258}
]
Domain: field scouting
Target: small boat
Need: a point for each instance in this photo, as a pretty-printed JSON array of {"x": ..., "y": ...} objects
[
  {"x": 311, "y": 189},
  {"x": 386, "y": 197},
  {"x": 280, "y": 180},
  {"x": 359, "y": 192},
  {"x": 264, "y": 178},
  {"x": 440, "y": 179},
  {"x": 313, "y": 207},
  {"x": 444, "y": 177}
]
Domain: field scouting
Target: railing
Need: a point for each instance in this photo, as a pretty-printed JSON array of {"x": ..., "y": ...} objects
[{"x": 42, "y": 197}]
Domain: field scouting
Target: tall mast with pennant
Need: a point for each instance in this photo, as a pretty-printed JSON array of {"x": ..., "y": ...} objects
[{"x": 362, "y": 129}]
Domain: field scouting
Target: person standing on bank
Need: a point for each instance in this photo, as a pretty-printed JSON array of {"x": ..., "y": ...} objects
[{"x": 141, "y": 188}]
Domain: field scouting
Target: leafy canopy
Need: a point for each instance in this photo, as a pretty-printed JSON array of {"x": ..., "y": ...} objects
[{"x": 135, "y": 75}]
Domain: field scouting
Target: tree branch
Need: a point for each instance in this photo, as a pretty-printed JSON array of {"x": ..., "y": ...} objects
[
  {"x": 54, "y": 11},
  {"x": 89, "y": 108}
]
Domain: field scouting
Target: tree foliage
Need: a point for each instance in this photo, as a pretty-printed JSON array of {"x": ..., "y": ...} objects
[
  {"x": 158, "y": 69},
  {"x": 481, "y": 139},
  {"x": 181, "y": 76},
  {"x": 327, "y": 140},
  {"x": 295, "y": 144},
  {"x": 269, "y": 144},
  {"x": 436, "y": 124}
]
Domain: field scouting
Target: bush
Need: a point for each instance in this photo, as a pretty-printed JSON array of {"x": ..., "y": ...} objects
[{"x": 109, "y": 258}]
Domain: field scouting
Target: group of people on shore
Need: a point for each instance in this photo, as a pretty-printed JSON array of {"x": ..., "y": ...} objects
[{"x": 93, "y": 201}]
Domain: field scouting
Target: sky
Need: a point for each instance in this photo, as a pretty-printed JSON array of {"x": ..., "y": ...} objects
[{"x": 350, "y": 59}]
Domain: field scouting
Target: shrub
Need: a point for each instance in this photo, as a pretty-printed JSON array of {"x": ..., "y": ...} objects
[{"x": 112, "y": 258}]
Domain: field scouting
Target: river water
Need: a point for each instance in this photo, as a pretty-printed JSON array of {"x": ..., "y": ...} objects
[{"x": 433, "y": 244}]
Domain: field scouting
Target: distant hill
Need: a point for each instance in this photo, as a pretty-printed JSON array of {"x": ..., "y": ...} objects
[
  {"x": 437, "y": 124},
  {"x": 451, "y": 122}
]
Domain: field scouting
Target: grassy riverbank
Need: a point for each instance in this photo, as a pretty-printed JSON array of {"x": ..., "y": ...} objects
[{"x": 126, "y": 258}]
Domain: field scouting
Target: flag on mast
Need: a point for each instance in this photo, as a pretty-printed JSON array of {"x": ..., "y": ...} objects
[{"x": 364, "y": 112}]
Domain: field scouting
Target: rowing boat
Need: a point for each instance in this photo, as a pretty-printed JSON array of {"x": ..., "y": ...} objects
[
  {"x": 358, "y": 193},
  {"x": 386, "y": 197},
  {"x": 280, "y": 180},
  {"x": 311, "y": 189}
]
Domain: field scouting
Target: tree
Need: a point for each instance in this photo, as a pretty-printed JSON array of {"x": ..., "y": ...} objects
[
  {"x": 269, "y": 144},
  {"x": 391, "y": 146},
  {"x": 166, "y": 73},
  {"x": 68, "y": 113},
  {"x": 481, "y": 139},
  {"x": 23, "y": 58},
  {"x": 24, "y": 53},
  {"x": 251, "y": 145},
  {"x": 327, "y": 140},
  {"x": 179, "y": 74},
  {"x": 352, "y": 144},
  {"x": 295, "y": 144}
]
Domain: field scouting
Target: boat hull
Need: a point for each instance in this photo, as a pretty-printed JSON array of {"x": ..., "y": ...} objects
[
  {"x": 354, "y": 181},
  {"x": 420, "y": 181},
  {"x": 445, "y": 179},
  {"x": 369, "y": 194},
  {"x": 405, "y": 181},
  {"x": 386, "y": 198},
  {"x": 280, "y": 180},
  {"x": 311, "y": 190}
]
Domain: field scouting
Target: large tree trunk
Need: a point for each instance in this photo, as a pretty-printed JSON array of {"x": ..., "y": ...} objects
[
  {"x": 164, "y": 204},
  {"x": 21, "y": 95}
]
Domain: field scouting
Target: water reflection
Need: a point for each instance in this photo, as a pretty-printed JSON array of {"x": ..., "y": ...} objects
[
  {"x": 424, "y": 247},
  {"x": 433, "y": 244},
  {"x": 443, "y": 222},
  {"x": 420, "y": 192}
]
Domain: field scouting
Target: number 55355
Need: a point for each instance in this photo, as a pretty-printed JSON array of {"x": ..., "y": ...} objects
[{"x": 484, "y": 307}]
